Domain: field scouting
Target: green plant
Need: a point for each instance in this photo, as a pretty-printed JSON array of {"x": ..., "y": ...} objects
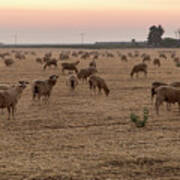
[{"x": 136, "y": 119}]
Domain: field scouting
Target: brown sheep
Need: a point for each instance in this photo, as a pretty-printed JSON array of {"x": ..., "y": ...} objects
[
  {"x": 142, "y": 67},
  {"x": 96, "y": 81},
  {"x": 39, "y": 60},
  {"x": 157, "y": 62},
  {"x": 44, "y": 87},
  {"x": 124, "y": 58},
  {"x": 8, "y": 62},
  {"x": 50, "y": 63},
  {"x": 85, "y": 73},
  {"x": 146, "y": 58},
  {"x": 155, "y": 85},
  {"x": 168, "y": 94},
  {"x": 70, "y": 66}
]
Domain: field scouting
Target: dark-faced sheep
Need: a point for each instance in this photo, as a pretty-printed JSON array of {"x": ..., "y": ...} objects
[
  {"x": 142, "y": 67},
  {"x": 44, "y": 88},
  {"x": 98, "y": 82}
]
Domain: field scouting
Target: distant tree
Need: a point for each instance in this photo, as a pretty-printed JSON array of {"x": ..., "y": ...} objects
[{"x": 155, "y": 35}]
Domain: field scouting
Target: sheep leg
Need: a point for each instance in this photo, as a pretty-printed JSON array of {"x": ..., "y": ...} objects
[
  {"x": 157, "y": 105},
  {"x": 9, "y": 112},
  {"x": 13, "y": 110}
]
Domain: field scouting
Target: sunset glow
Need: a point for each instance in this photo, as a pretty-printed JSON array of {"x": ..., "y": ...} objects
[{"x": 62, "y": 21}]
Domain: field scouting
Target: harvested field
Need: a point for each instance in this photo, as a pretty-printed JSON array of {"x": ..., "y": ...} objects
[{"x": 79, "y": 136}]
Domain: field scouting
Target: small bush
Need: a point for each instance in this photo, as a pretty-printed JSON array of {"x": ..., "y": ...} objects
[{"x": 136, "y": 119}]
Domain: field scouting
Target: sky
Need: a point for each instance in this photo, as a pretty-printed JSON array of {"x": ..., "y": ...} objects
[{"x": 64, "y": 21}]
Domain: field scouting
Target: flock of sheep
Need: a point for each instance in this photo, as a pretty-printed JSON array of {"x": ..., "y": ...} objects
[{"x": 42, "y": 89}]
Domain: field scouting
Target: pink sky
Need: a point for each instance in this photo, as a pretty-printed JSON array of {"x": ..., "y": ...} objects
[{"x": 65, "y": 25}]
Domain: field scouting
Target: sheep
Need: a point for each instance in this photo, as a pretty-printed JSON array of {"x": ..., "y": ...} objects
[
  {"x": 92, "y": 63},
  {"x": 96, "y": 81},
  {"x": 142, "y": 67},
  {"x": 155, "y": 85},
  {"x": 39, "y": 60},
  {"x": 70, "y": 66},
  {"x": 168, "y": 94},
  {"x": 8, "y": 62},
  {"x": 146, "y": 58},
  {"x": 124, "y": 58},
  {"x": 9, "y": 98},
  {"x": 72, "y": 81},
  {"x": 157, "y": 62},
  {"x": 163, "y": 56},
  {"x": 85, "y": 73},
  {"x": 44, "y": 88},
  {"x": 50, "y": 63}
]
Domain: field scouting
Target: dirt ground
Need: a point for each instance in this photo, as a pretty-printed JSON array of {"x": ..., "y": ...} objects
[{"x": 78, "y": 136}]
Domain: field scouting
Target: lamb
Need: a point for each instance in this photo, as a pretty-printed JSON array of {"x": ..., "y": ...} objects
[
  {"x": 70, "y": 66},
  {"x": 50, "y": 63},
  {"x": 85, "y": 73},
  {"x": 168, "y": 94},
  {"x": 9, "y": 98},
  {"x": 96, "y": 81},
  {"x": 142, "y": 67},
  {"x": 44, "y": 88}
]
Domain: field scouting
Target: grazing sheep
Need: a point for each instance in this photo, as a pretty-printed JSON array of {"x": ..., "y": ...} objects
[
  {"x": 146, "y": 58},
  {"x": 168, "y": 94},
  {"x": 163, "y": 56},
  {"x": 96, "y": 81},
  {"x": 50, "y": 63},
  {"x": 70, "y": 66},
  {"x": 85, "y": 73},
  {"x": 142, "y": 67},
  {"x": 92, "y": 63},
  {"x": 8, "y": 62},
  {"x": 44, "y": 88},
  {"x": 72, "y": 81},
  {"x": 157, "y": 62},
  {"x": 39, "y": 60},
  {"x": 9, "y": 98}
]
